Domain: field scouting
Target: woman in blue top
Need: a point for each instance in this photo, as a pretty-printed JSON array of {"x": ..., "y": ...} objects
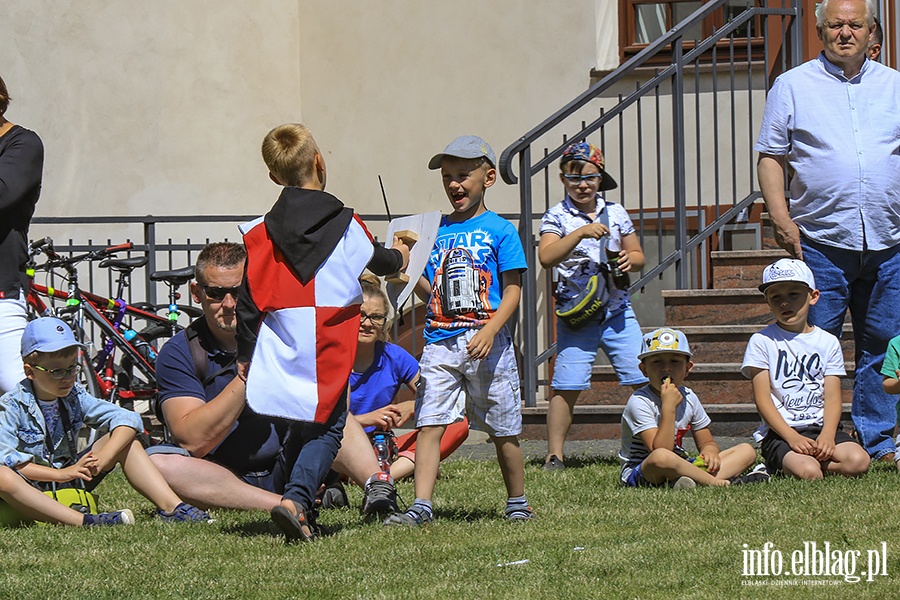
[{"x": 380, "y": 369}]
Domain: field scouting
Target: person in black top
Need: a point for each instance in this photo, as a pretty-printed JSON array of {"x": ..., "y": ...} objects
[{"x": 21, "y": 165}]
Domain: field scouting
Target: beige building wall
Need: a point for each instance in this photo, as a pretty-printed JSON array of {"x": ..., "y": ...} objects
[
  {"x": 151, "y": 107},
  {"x": 159, "y": 107},
  {"x": 387, "y": 85}
]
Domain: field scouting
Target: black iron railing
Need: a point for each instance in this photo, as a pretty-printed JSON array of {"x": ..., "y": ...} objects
[{"x": 679, "y": 135}]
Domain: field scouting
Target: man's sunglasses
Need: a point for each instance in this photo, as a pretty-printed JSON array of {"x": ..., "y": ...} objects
[{"x": 219, "y": 293}]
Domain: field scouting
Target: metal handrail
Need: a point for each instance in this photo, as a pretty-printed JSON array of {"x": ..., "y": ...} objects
[
  {"x": 533, "y": 355},
  {"x": 676, "y": 34}
]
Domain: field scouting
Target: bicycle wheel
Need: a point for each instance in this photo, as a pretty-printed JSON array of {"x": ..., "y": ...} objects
[
  {"x": 88, "y": 380},
  {"x": 87, "y": 377}
]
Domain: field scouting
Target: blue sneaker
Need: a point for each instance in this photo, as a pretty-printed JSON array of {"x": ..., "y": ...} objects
[
  {"x": 119, "y": 517},
  {"x": 184, "y": 512}
]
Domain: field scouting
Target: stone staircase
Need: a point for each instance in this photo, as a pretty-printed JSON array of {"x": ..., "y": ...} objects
[{"x": 718, "y": 323}]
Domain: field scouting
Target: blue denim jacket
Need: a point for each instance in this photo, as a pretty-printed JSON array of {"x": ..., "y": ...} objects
[{"x": 23, "y": 431}]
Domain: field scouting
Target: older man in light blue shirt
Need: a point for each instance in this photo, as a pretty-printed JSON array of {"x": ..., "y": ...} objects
[{"x": 836, "y": 121}]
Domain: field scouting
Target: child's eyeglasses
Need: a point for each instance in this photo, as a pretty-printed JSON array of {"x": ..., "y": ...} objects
[
  {"x": 376, "y": 320},
  {"x": 219, "y": 293},
  {"x": 573, "y": 179},
  {"x": 60, "y": 373}
]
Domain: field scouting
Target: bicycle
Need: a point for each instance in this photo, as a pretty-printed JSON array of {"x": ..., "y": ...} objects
[{"x": 123, "y": 369}]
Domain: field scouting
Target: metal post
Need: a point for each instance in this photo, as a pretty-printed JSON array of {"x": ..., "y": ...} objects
[
  {"x": 797, "y": 34},
  {"x": 678, "y": 163},
  {"x": 528, "y": 306},
  {"x": 150, "y": 242}
]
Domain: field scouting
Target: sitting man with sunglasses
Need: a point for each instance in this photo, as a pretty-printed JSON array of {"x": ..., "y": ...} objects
[{"x": 227, "y": 456}]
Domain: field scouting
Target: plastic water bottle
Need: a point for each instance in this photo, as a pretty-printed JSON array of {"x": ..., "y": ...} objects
[
  {"x": 382, "y": 444},
  {"x": 142, "y": 347}
]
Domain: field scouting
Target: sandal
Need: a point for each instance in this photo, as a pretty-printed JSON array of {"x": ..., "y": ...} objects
[{"x": 294, "y": 526}]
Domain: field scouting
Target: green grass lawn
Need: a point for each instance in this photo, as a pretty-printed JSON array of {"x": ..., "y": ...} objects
[{"x": 592, "y": 539}]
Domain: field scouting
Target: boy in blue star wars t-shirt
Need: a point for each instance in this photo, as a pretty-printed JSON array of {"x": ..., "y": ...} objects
[{"x": 472, "y": 284}]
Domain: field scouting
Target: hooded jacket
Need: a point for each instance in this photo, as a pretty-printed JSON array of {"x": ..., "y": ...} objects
[{"x": 298, "y": 309}]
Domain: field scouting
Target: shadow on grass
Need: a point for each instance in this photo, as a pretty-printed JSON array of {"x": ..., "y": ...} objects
[
  {"x": 468, "y": 516},
  {"x": 268, "y": 529},
  {"x": 578, "y": 461}
]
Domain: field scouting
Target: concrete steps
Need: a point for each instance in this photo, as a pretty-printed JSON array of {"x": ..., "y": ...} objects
[{"x": 742, "y": 268}]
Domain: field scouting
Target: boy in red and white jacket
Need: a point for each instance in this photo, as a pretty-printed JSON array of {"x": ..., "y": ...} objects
[{"x": 298, "y": 313}]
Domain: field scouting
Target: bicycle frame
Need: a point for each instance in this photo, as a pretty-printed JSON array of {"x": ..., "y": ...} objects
[
  {"x": 113, "y": 382},
  {"x": 88, "y": 307}
]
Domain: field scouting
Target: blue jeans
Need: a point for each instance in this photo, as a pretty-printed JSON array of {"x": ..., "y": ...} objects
[
  {"x": 868, "y": 283},
  {"x": 311, "y": 448}
]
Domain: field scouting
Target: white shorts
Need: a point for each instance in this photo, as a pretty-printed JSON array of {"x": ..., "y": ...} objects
[
  {"x": 12, "y": 325},
  {"x": 452, "y": 386}
]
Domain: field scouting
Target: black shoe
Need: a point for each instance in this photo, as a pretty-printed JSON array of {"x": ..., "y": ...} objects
[
  {"x": 759, "y": 474},
  {"x": 294, "y": 526},
  {"x": 554, "y": 463},
  {"x": 335, "y": 496}
]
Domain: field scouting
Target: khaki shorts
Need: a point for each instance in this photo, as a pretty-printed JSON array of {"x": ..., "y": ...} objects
[{"x": 452, "y": 386}]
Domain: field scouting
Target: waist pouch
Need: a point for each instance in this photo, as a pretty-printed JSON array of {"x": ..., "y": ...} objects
[{"x": 591, "y": 304}]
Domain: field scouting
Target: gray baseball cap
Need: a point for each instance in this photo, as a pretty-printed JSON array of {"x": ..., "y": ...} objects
[{"x": 465, "y": 146}]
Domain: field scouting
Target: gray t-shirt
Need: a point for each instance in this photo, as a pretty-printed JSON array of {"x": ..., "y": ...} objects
[{"x": 642, "y": 412}]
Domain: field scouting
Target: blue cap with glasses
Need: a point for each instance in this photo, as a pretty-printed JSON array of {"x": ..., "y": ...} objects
[
  {"x": 587, "y": 152},
  {"x": 47, "y": 334}
]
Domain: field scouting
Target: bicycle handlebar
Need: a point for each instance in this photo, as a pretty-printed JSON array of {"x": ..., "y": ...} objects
[
  {"x": 118, "y": 248},
  {"x": 68, "y": 262},
  {"x": 38, "y": 245}
]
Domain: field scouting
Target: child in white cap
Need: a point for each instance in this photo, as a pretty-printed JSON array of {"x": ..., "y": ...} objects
[{"x": 796, "y": 369}]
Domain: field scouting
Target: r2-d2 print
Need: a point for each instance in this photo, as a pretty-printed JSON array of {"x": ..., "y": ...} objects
[{"x": 460, "y": 284}]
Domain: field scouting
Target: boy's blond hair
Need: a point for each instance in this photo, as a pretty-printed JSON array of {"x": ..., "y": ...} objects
[{"x": 289, "y": 152}]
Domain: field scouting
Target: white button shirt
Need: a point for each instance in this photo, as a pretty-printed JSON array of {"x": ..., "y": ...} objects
[{"x": 842, "y": 138}]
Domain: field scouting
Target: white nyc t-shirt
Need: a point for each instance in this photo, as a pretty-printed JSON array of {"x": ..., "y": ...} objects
[{"x": 797, "y": 365}]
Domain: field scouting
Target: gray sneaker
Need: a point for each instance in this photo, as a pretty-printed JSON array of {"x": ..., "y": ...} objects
[
  {"x": 413, "y": 517},
  {"x": 517, "y": 513},
  {"x": 554, "y": 463},
  {"x": 684, "y": 483},
  {"x": 380, "y": 498}
]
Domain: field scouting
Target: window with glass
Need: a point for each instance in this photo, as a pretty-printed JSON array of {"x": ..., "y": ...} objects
[{"x": 644, "y": 21}]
